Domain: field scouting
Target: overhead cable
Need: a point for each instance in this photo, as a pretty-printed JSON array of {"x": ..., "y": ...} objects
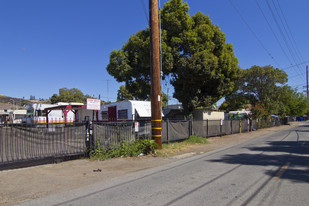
[{"x": 254, "y": 34}]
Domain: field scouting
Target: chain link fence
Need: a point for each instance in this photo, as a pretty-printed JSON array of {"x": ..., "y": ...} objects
[
  {"x": 175, "y": 131},
  {"x": 20, "y": 142}
]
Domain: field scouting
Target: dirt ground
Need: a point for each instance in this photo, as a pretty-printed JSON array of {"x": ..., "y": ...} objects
[{"x": 19, "y": 185}]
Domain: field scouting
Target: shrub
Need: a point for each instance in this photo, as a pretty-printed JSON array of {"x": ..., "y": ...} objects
[
  {"x": 196, "y": 140},
  {"x": 131, "y": 149}
]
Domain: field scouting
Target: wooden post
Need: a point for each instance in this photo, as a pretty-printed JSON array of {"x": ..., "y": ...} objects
[{"x": 155, "y": 73}]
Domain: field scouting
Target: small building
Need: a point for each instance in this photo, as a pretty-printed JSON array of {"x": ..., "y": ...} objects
[
  {"x": 130, "y": 110},
  {"x": 204, "y": 114},
  {"x": 174, "y": 112},
  {"x": 12, "y": 116}
]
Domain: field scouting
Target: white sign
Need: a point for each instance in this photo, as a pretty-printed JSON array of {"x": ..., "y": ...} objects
[
  {"x": 93, "y": 104},
  {"x": 136, "y": 126}
]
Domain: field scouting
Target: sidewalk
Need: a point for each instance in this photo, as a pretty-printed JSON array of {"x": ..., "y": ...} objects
[{"x": 20, "y": 185}]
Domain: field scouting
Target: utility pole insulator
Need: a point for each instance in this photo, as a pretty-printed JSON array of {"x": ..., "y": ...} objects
[{"x": 155, "y": 73}]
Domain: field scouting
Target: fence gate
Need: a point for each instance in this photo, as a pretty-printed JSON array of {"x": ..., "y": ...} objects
[{"x": 19, "y": 143}]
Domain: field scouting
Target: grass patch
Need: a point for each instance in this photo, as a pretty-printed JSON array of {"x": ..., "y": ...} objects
[
  {"x": 175, "y": 147},
  {"x": 145, "y": 146},
  {"x": 196, "y": 140},
  {"x": 126, "y": 149}
]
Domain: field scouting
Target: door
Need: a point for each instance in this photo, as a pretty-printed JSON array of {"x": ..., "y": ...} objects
[{"x": 112, "y": 114}]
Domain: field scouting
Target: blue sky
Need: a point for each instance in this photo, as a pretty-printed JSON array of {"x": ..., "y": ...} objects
[{"x": 50, "y": 44}]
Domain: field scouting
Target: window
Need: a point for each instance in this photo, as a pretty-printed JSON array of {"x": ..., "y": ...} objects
[
  {"x": 104, "y": 115},
  {"x": 123, "y": 114}
]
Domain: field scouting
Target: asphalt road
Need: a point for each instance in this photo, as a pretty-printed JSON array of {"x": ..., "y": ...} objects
[{"x": 269, "y": 170}]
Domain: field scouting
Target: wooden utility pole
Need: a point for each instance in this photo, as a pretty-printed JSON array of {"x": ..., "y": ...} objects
[
  {"x": 307, "y": 80},
  {"x": 155, "y": 72}
]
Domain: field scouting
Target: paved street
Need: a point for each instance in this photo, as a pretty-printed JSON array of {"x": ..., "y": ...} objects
[{"x": 269, "y": 170}]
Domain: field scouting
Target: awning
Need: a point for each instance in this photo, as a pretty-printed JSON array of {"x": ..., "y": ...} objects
[{"x": 143, "y": 112}]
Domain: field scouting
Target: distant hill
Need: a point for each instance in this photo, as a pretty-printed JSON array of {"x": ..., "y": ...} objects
[{"x": 16, "y": 103}]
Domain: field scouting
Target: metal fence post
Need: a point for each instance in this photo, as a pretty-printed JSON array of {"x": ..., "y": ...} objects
[
  {"x": 240, "y": 126},
  {"x": 190, "y": 127},
  {"x": 257, "y": 125},
  {"x": 89, "y": 137},
  {"x": 207, "y": 129},
  {"x": 221, "y": 124},
  {"x": 167, "y": 137}
]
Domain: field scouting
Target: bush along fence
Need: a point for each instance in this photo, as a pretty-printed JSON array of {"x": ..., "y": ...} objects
[{"x": 20, "y": 143}]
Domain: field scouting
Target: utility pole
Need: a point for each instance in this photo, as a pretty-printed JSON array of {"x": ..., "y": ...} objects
[
  {"x": 307, "y": 80},
  {"x": 155, "y": 72}
]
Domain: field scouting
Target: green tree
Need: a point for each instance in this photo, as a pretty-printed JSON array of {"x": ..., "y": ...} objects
[
  {"x": 69, "y": 95},
  {"x": 201, "y": 65},
  {"x": 261, "y": 87},
  {"x": 123, "y": 94},
  {"x": 234, "y": 103},
  {"x": 260, "y": 83},
  {"x": 291, "y": 103}
]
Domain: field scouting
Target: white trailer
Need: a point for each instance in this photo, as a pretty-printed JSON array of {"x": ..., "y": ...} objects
[
  {"x": 36, "y": 113},
  {"x": 125, "y": 111}
]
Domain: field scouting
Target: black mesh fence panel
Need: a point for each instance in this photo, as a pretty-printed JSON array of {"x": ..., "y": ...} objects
[
  {"x": 255, "y": 125},
  {"x": 245, "y": 125},
  {"x": 111, "y": 134},
  {"x": 31, "y": 142},
  {"x": 178, "y": 130},
  {"x": 164, "y": 131},
  {"x": 227, "y": 127},
  {"x": 236, "y": 126},
  {"x": 144, "y": 130},
  {"x": 199, "y": 128},
  {"x": 214, "y": 128}
]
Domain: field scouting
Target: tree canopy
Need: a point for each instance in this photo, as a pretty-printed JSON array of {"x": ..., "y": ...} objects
[
  {"x": 266, "y": 90},
  {"x": 69, "y": 95},
  {"x": 201, "y": 66}
]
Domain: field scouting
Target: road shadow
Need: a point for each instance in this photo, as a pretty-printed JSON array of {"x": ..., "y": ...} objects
[
  {"x": 294, "y": 153},
  {"x": 293, "y": 147}
]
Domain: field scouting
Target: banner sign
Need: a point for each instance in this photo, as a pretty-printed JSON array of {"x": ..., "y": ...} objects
[{"x": 93, "y": 104}]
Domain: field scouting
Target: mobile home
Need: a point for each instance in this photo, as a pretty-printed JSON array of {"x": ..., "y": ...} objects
[
  {"x": 125, "y": 111},
  {"x": 36, "y": 113}
]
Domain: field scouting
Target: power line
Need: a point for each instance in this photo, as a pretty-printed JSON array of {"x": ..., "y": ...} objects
[
  {"x": 297, "y": 75},
  {"x": 271, "y": 29},
  {"x": 281, "y": 32},
  {"x": 274, "y": 34},
  {"x": 145, "y": 10},
  {"x": 304, "y": 62},
  {"x": 254, "y": 34},
  {"x": 289, "y": 32},
  {"x": 289, "y": 35}
]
